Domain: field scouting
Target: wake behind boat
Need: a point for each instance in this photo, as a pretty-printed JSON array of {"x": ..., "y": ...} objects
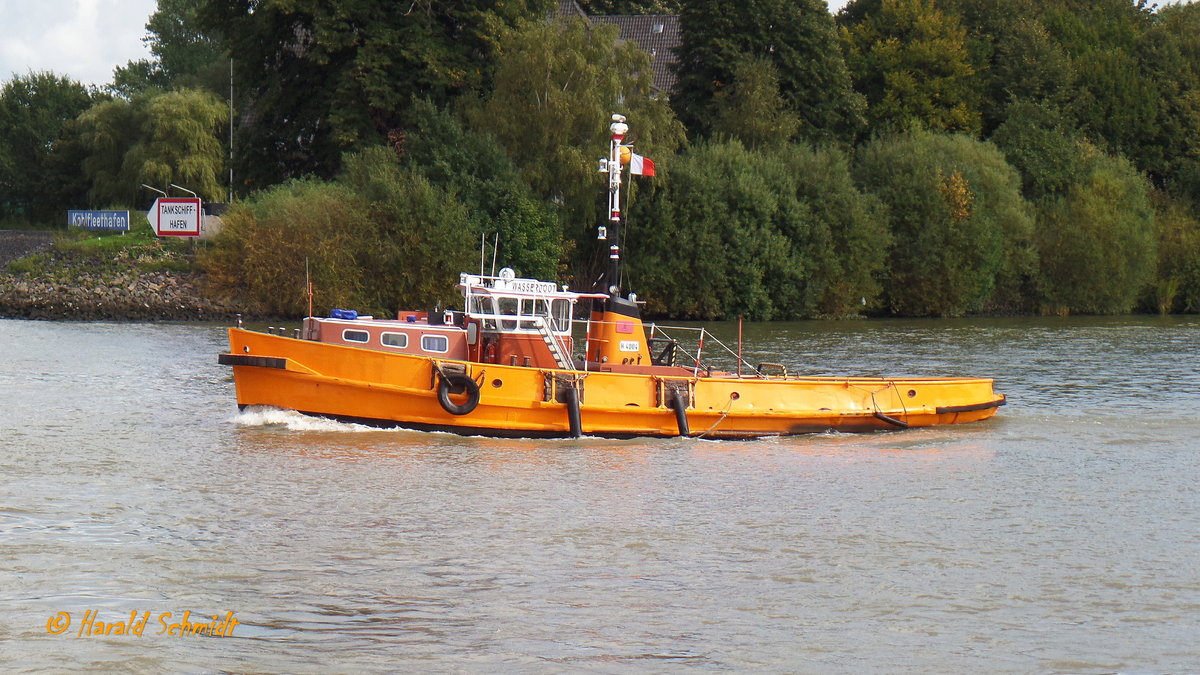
[{"x": 507, "y": 364}]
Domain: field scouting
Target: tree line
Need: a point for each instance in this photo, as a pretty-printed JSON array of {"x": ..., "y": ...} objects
[{"x": 902, "y": 157}]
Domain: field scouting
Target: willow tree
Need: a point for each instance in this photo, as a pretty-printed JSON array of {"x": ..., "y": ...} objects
[
  {"x": 179, "y": 142},
  {"x": 780, "y": 233},
  {"x": 1097, "y": 242},
  {"x": 157, "y": 140}
]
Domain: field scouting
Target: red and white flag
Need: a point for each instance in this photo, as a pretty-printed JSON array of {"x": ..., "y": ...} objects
[{"x": 640, "y": 166}]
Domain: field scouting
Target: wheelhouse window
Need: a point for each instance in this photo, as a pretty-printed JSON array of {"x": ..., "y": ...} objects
[
  {"x": 435, "y": 343},
  {"x": 530, "y": 307},
  {"x": 508, "y": 307},
  {"x": 519, "y": 313},
  {"x": 561, "y": 312},
  {"x": 483, "y": 304},
  {"x": 397, "y": 340},
  {"x": 356, "y": 336}
]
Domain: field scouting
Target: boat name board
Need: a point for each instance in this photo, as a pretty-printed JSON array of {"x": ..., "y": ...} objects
[
  {"x": 629, "y": 345},
  {"x": 530, "y": 286}
]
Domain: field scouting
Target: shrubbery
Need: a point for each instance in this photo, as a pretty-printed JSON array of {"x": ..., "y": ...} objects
[
  {"x": 960, "y": 227},
  {"x": 770, "y": 235}
]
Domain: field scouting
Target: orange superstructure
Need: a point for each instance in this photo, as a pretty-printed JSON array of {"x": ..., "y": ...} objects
[{"x": 506, "y": 364}]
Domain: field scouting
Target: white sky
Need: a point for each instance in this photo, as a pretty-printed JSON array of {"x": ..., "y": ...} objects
[{"x": 82, "y": 39}]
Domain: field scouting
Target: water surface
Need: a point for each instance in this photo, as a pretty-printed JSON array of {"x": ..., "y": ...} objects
[{"x": 1059, "y": 537}]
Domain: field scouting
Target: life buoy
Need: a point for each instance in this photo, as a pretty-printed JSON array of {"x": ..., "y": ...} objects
[{"x": 456, "y": 384}]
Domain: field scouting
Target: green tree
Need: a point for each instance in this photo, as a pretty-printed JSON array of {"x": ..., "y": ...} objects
[
  {"x": 1027, "y": 66},
  {"x": 556, "y": 86},
  {"x": 106, "y": 132},
  {"x": 626, "y": 7},
  {"x": 797, "y": 36},
  {"x": 183, "y": 54},
  {"x": 473, "y": 165},
  {"x": 1041, "y": 142},
  {"x": 1177, "y": 287},
  {"x": 751, "y": 109},
  {"x": 35, "y": 111},
  {"x": 961, "y": 229},
  {"x": 319, "y": 78},
  {"x": 910, "y": 59},
  {"x": 1170, "y": 55},
  {"x": 1117, "y": 105}
]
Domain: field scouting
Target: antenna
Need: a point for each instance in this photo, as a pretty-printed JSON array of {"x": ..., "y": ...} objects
[
  {"x": 482, "y": 249},
  {"x": 309, "y": 284},
  {"x": 231, "y": 131},
  {"x": 495, "y": 247}
]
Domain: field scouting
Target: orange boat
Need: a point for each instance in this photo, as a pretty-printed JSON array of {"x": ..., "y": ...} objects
[{"x": 506, "y": 365}]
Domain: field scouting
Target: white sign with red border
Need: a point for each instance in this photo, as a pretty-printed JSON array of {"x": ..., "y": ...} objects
[{"x": 175, "y": 216}]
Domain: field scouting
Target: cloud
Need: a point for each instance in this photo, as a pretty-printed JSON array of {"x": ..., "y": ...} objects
[{"x": 81, "y": 39}]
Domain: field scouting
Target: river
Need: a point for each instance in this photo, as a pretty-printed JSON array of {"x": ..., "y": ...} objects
[{"x": 1063, "y": 536}]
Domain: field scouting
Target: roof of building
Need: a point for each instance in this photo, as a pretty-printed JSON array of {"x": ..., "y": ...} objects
[{"x": 657, "y": 34}]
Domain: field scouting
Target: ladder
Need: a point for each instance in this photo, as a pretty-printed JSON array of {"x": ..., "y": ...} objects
[{"x": 561, "y": 357}]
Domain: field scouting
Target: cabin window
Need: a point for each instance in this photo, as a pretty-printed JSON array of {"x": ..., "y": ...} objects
[
  {"x": 356, "y": 336},
  {"x": 561, "y": 311},
  {"x": 397, "y": 340},
  {"x": 435, "y": 343},
  {"x": 482, "y": 304},
  {"x": 508, "y": 307},
  {"x": 527, "y": 309}
]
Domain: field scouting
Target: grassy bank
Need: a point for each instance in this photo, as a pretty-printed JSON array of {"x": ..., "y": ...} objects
[{"x": 83, "y": 275}]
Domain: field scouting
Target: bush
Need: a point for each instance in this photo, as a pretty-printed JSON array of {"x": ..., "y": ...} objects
[
  {"x": 1177, "y": 288},
  {"x": 960, "y": 227},
  {"x": 377, "y": 239},
  {"x": 771, "y": 235},
  {"x": 1097, "y": 242}
]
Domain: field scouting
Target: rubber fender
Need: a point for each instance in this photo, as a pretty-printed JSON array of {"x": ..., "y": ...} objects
[{"x": 456, "y": 384}]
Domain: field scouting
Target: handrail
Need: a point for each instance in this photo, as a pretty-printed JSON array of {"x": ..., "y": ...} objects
[
  {"x": 704, "y": 335},
  {"x": 557, "y": 349}
]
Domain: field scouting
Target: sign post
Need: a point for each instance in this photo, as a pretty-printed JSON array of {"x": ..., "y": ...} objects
[{"x": 175, "y": 216}]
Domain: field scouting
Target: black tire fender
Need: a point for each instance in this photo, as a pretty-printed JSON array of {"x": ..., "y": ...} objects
[{"x": 456, "y": 384}]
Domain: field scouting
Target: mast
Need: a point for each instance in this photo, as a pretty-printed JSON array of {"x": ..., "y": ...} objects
[
  {"x": 615, "y": 334},
  {"x": 613, "y": 233}
]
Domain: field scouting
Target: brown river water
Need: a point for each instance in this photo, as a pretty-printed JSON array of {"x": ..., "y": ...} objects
[{"x": 1063, "y": 536}]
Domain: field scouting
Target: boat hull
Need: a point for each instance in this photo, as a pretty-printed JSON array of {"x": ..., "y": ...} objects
[{"x": 402, "y": 390}]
